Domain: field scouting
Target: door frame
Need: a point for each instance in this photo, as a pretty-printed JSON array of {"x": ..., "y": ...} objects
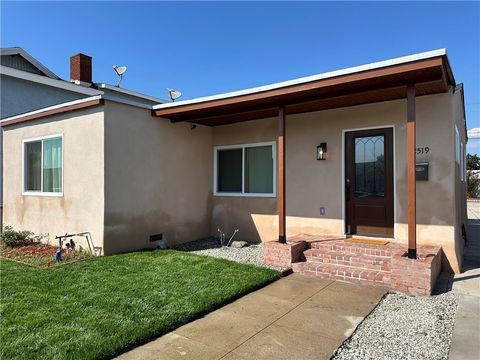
[{"x": 344, "y": 204}]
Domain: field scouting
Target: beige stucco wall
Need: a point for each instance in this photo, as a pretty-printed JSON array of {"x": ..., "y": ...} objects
[
  {"x": 312, "y": 184},
  {"x": 81, "y": 206},
  {"x": 158, "y": 179},
  {"x": 128, "y": 175},
  {"x": 460, "y": 207}
]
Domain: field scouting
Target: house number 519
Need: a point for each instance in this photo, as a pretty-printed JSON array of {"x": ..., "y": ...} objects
[{"x": 423, "y": 150}]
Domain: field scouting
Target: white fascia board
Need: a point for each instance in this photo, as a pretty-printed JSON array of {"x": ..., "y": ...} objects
[
  {"x": 80, "y": 101},
  {"x": 48, "y": 108},
  {"x": 330, "y": 74},
  {"x": 126, "y": 102},
  {"x": 30, "y": 59},
  {"x": 61, "y": 84},
  {"x": 131, "y": 93}
]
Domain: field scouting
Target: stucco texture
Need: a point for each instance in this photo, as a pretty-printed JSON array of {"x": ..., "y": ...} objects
[
  {"x": 311, "y": 184},
  {"x": 81, "y": 206},
  {"x": 129, "y": 175},
  {"x": 19, "y": 96},
  {"x": 158, "y": 178}
]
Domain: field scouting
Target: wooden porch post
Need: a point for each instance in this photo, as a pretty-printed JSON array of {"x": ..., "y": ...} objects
[
  {"x": 282, "y": 238},
  {"x": 411, "y": 181}
]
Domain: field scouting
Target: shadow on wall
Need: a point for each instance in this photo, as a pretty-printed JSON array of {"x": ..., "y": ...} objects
[
  {"x": 126, "y": 232},
  {"x": 257, "y": 226}
]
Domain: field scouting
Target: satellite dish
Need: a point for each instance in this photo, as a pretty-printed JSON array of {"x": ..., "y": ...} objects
[
  {"x": 174, "y": 94},
  {"x": 120, "y": 70}
]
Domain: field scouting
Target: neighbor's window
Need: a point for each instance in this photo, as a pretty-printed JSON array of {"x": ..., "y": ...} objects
[
  {"x": 245, "y": 170},
  {"x": 43, "y": 165},
  {"x": 457, "y": 146}
]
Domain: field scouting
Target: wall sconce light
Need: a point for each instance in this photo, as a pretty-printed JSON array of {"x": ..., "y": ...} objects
[{"x": 322, "y": 151}]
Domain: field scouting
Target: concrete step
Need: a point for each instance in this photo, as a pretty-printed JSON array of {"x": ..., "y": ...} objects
[
  {"x": 344, "y": 273},
  {"x": 359, "y": 260}
]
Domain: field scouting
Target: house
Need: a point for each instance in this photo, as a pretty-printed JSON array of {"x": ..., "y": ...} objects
[
  {"x": 376, "y": 150},
  {"x": 27, "y": 85}
]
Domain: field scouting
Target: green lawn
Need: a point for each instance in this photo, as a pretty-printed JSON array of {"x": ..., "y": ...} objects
[{"x": 101, "y": 307}]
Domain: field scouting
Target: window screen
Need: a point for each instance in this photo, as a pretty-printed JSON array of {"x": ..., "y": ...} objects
[
  {"x": 52, "y": 165},
  {"x": 258, "y": 169}
]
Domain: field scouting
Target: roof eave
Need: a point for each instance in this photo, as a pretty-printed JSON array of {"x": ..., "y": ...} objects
[
  {"x": 131, "y": 93},
  {"x": 58, "y": 83},
  {"x": 31, "y": 60},
  {"x": 327, "y": 75},
  {"x": 412, "y": 72},
  {"x": 53, "y": 110}
]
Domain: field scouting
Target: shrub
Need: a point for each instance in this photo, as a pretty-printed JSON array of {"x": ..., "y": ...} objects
[{"x": 11, "y": 237}]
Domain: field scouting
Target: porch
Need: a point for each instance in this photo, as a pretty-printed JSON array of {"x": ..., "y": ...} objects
[{"x": 315, "y": 114}]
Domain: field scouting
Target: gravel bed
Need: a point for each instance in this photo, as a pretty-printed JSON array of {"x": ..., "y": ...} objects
[
  {"x": 404, "y": 327},
  {"x": 251, "y": 254}
]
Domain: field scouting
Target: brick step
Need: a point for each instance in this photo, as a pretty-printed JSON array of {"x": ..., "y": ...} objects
[
  {"x": 322, "y": 253},
  {"x": 343, "y": 247},
  {"x": 344, "y": 273},
  {"x": 360, "y": 260}
]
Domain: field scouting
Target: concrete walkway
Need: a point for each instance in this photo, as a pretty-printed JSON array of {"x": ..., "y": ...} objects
[
  {"x": 466, "y": 333},
  {"x": 296, "y": 317}
]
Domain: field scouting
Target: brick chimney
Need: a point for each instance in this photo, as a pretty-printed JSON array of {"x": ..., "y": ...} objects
[{"x": 81, "y": 69}]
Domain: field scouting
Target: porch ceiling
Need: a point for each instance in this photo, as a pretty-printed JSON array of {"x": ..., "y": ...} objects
[{"x": 430, "y": 76}]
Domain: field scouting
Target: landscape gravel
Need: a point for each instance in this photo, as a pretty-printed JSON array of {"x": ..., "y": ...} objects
[
  {"x": 404, "y": 327},
  {"x": 250, "y": 254}
]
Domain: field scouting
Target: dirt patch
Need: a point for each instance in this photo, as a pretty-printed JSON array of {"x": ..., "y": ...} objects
[{"x": 41, "y": 255}]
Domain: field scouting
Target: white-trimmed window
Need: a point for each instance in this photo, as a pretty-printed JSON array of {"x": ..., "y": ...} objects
[
  {"x": 43, "y": 166},
  {"x": 245, "y": 170},
  {"x": 463, "y": 168}
]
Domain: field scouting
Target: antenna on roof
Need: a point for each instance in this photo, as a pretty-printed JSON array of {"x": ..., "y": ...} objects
[
  {"x": 173, "y": 94},
  {"x": 120, "y": 70}
]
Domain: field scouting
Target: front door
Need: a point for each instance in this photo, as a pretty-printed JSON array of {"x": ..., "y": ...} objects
[{"x": 369, "y": 182}]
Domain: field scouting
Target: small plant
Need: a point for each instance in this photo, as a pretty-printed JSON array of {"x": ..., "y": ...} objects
[{"x": 11, "y": 237}]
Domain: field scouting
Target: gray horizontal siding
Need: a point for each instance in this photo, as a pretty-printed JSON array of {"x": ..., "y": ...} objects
[
  {"x": 18, "y": 62},
  {"x": 20, "y": 96}
]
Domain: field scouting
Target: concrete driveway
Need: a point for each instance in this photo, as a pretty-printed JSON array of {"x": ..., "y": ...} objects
[
  {"x": 296, "y": 317},
  {"x": 466, "y": 333}
]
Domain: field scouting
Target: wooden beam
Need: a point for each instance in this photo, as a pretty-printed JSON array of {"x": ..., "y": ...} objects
[
  {"x": 281, "y": 176},
  {"x": 411, "y": 181},
  {"x": 331, "y": 101},
  {"x": 231, "y": 118}
]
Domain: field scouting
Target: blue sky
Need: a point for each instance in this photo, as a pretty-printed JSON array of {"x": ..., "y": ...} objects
[{"x": 213, "y": 47}]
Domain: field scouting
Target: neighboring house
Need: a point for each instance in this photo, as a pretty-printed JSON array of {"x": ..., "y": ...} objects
[
  {"x": 330, "y": 154},
  {"x": 27, "y": 85},
  {"x": 473, "y": 179}
]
